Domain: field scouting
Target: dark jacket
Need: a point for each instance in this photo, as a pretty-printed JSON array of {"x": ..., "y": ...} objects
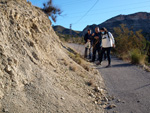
[
  {"x": 87, "y": 37},
  {"x": 97, "y": 42}
]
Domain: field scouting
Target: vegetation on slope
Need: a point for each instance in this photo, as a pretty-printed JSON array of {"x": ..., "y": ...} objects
[{"x": 131, "y": 45}]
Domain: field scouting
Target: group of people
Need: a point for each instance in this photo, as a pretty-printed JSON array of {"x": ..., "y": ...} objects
[{"x": 99, "y": 42}]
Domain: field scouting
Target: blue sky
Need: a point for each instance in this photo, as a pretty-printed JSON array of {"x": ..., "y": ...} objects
[{"x": 74, "y": 10}]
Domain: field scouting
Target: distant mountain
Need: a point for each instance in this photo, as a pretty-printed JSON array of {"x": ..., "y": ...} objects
[
  {"x": 65, "y": 31},
  {"x": 137, "y": 21}
]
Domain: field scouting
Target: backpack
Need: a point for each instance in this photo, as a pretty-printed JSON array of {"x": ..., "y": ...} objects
[{"x": 108, "y": 35}]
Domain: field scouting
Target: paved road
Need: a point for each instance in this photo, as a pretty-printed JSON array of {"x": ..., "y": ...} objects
[{"x": 126, "y": 82}]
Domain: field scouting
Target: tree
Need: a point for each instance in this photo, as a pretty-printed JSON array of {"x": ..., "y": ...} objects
[{"x": 51, "y": 10}]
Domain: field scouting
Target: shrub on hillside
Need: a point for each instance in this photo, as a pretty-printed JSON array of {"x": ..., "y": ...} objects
[
  {"x": 137, "y": 57},
  {"x": 51, "y": 10},
  {"x": 130, "y": 45}
]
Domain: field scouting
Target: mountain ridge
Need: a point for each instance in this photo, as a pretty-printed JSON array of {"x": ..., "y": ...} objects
[
  {"x": 66, "y": 31},
  {"x": 136, "y": 21}
]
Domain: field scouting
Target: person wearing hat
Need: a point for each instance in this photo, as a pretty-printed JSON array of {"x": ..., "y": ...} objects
[{"x": 107, "y": 43}]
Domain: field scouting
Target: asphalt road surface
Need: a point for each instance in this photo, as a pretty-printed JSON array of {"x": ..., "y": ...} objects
[{"x": 129, "y": 84}]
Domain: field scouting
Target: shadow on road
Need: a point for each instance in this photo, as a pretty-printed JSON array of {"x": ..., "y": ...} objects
[
  {"x": 115, "y": 66},
  {"x": 122, "y": 65}
]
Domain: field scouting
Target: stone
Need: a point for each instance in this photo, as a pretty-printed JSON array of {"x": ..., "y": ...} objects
[
  {"x": 104, "y": 106},
  {"x": 8, "y": 70},
  {"x": 99, "y": 102},
  {"x": 118, "y": 100},
  {"x": 62, "y": 98},
  {"x": 138, "y": 101},
  {"x": 95, "y": 102},
  {"x": 92, "y": 95},
  {"x": 102, "y": 91},
  {"x": 97, "y": 89},
  {"x": 123, "y": 102},
  {"x": 5, "y": 110},
  {"x": 105, "y": 99},
  {"x": 111, "y": 106}
]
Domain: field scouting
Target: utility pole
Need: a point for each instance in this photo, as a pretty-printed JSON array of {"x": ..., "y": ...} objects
[{"x": 70, "y": 30}]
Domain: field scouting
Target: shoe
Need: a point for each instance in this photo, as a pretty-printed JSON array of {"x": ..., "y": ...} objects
[
  {"x": 108, "y": 66},
  {"x": 99, "y": 63}
]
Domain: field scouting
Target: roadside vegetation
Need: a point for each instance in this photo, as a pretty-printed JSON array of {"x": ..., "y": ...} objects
[
  {"x": 71, "y": 39},
  {"x": 131, "y": 46},
  {"x": 78, "y": 59}
]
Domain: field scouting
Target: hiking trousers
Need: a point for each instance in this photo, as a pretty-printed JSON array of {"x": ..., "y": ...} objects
[
  {"x": 86, "y": 52},
  {"x": 96, "y": 49},
  {"x": 107, "y": 50}
]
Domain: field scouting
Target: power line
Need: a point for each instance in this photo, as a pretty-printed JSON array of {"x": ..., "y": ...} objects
[
  {"x": 111, "y": 7},
  {"x": 111, "y": 11},
  {"x": 86, "y": 12}
]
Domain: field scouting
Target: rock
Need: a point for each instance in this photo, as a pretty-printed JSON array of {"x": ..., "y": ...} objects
[
  {"x": 99, "y": 102},
  {"x": 105, "y": 99},
  {"x": 102, "y": 91},
  {"x": 97, "y": 89},
  {"x": 111, "y": 98},
  {"x": 103, "y": 103},
  {"x": 5, "y": 110},
  {"x": 111, "y": 106},
  {"x": 118, "y": 100},
  {"x": 104, "y": 106},
  {"x": 123, "y": 102},
  {"x": 17, "y": 16},
  {"x": 92, "y": 95},
  {"x": 10, "y": 61},
  {"x": 8, "y": 70},
  {"x": 95, "y": 102},
  {"x": 138, "y": 101},
  {"x": 62, "y": 98}
]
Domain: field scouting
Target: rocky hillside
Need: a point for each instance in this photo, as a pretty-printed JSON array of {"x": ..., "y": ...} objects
[
  {"x": 65, "y": 31},
  {"x": 137, "y": 21},
  {"x": 36, "y": 73}
]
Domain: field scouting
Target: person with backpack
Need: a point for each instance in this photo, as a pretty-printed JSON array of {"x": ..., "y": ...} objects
[
  {"x": 107, "y": 43},
  {"x": 96, "y": 44},
  {"x": 88, "y": 43}
]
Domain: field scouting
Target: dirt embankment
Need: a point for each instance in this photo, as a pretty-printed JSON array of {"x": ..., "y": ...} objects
[{"x": 36, "y": 73}]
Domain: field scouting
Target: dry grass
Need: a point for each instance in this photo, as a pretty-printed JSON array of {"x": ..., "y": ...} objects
[
  {"x": 75, "y": 57},
  {"x": 78, "y": 59},
  {"x": 86, "y": 67},
  {"x": 137, "y": 57}
]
